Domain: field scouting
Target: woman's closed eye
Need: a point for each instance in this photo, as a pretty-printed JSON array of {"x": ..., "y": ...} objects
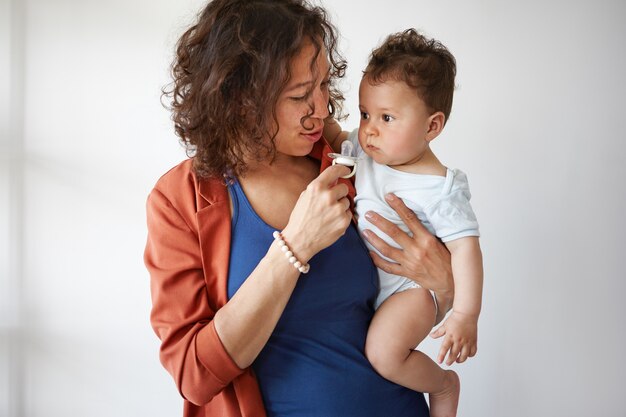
[{"x": 302, "y": 97}]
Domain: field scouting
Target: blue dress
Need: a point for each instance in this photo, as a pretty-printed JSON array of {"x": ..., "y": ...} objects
[{"x": 314, "y": 362}]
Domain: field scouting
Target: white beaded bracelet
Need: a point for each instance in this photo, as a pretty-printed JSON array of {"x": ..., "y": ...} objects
[{"x": 303, "y": 268}]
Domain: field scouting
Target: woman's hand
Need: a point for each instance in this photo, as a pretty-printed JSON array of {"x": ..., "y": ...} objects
[
  {"x": 421, "y": 257},
  {"x": 321, "y": 214}
]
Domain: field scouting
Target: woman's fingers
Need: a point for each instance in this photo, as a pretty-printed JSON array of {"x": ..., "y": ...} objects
[
  {"x": 387, "y": 227},
  {"x": 407, "y": 215},
  {"x": 346, "y": 205},
  {"x": 321, "y": 214},
  {"x": 383, "y": 247},
  {"x": 339, "y": 191},
  {"x": 409, "y": 218},
  {"x": 389, "y": 267},
  {"x": 330, "y": 175}
]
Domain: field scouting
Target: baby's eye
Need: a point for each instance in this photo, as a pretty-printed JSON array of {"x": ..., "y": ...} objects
[
  {"x": 387, "y": 118},
  {"x": 364, "y": 115}
]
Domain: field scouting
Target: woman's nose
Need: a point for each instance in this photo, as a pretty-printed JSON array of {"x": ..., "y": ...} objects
[{"x": 320, "y": 104}]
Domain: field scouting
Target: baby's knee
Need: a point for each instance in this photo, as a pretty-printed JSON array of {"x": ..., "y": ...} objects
[{"x": 382, "y": 358}]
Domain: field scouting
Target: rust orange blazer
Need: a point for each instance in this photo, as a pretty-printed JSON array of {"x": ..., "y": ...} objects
[{"x": 187, "y": 254}]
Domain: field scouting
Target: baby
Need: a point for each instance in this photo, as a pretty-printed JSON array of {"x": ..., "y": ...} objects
[{"x": 405, "y": 98}]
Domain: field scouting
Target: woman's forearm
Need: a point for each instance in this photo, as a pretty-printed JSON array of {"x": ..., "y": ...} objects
[{"x": 247, "y": 320}]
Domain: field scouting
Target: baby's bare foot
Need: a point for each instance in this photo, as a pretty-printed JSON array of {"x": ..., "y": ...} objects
[{"x": 445, "y": 402}]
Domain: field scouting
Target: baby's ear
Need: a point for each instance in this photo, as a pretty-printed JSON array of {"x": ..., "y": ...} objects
[{"x": 436, "y": 121}]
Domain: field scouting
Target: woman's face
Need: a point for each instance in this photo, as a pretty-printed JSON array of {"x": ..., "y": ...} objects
[{"x": 303, "y": 104}]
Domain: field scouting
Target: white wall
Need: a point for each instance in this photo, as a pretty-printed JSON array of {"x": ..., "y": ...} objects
[
  {"x": 536, "y": 124},
  {"x": 11, "y": 116}
]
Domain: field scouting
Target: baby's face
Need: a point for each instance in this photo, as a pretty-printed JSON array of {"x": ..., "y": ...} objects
[{"x": 394, "y": 123}]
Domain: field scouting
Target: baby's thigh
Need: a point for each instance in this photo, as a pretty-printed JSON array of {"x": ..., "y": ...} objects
[{"x": 403, "y": 320}]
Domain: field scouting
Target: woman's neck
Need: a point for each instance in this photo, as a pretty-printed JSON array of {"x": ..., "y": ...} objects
[
  {"x": 273, "y": 188},
  {"x": 282, "y": 165}
]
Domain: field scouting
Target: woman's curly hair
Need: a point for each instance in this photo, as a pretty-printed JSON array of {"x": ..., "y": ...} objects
[
  {"x": 425, "y": 65},
  {"x": 230, "y": 68}
]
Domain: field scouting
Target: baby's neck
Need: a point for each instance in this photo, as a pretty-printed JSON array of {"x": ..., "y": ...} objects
[{"x": 424, "y": 164}]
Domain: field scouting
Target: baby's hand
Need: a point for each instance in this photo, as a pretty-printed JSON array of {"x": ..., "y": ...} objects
[{"x": 461, "y": 336}]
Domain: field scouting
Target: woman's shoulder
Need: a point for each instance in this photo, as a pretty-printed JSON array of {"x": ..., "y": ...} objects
[
  {"x": 182, "y": 187},
  {"x": 176, "y": 176}
]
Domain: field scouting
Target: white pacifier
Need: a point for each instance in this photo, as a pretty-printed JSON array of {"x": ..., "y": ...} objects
[{"x": 346, "y": 157}]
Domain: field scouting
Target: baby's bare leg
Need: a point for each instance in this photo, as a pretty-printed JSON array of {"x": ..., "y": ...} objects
[{"x": 398, "y": 326}]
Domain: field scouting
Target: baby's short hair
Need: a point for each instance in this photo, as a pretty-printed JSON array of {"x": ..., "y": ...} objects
[{"x": 423, "y": 64}]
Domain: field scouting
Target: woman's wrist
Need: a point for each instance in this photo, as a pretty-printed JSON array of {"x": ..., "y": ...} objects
[
  {"x": 302, "y": 267},
  {"x": 298, "y": 245}
]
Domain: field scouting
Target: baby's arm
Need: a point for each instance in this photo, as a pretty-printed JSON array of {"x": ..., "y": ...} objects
[
  {"x": 461, "y": 328},
  {"x": 333, "y": 134}
]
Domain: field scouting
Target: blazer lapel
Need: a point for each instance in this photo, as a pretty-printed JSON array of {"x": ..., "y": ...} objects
[{"x": 214, "y": 231}]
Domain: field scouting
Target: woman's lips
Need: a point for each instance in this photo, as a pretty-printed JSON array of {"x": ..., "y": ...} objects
[{"x": 313, "y": 136}]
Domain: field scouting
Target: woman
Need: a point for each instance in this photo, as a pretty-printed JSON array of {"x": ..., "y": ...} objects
[{"x": 245, "y": 330}]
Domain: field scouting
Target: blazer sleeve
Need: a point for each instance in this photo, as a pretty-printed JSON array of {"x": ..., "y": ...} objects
[{"x": 182, "y": 314}]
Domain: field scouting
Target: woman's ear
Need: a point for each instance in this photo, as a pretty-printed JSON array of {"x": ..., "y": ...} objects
[{"x": 436, "y": 121}]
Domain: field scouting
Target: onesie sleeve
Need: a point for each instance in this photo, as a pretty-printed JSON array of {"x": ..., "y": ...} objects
[
  {"x": 182, "y": 310},
  {"x": 451, "y": 215}
]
